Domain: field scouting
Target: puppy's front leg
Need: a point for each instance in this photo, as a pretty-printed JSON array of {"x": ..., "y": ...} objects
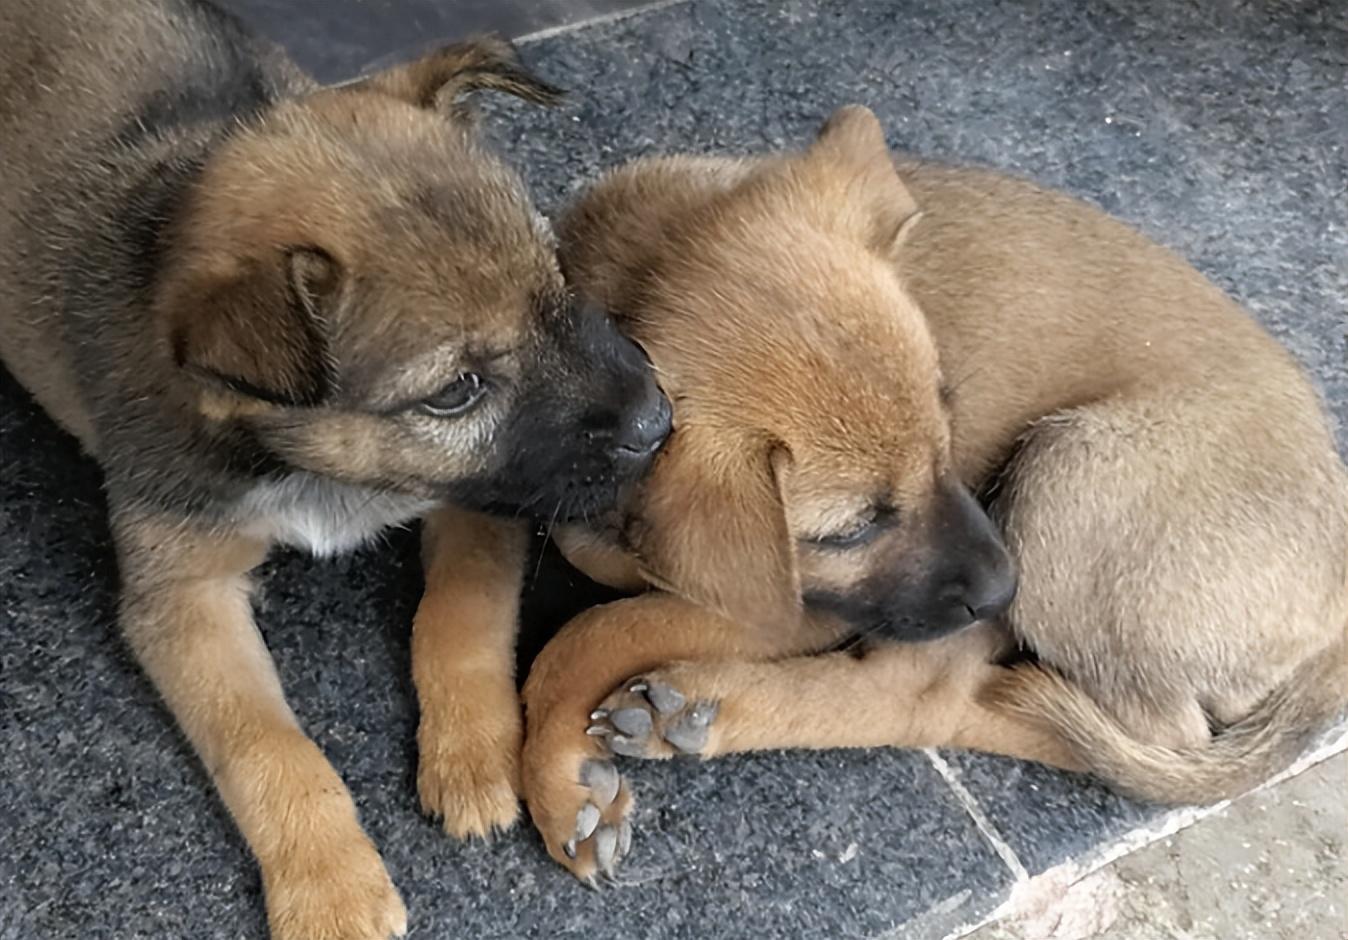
[
  {"x": 186, "y": 614},
  {"x": 899, "y": 695},
  {"x": 575, "y": 796},
  {"x": 895, "y": 695},
  {"x": 463, "y": 665}
]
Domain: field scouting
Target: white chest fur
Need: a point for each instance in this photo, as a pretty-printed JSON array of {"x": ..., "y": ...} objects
[{"x": 323, "y": 516}]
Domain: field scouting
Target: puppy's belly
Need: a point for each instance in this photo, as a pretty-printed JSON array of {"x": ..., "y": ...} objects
[{"x": 322, "y": 516}]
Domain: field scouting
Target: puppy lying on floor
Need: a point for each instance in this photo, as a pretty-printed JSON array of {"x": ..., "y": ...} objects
[
  {"x": 278, "y": 313},
  {"x": 854, "y": 347}
]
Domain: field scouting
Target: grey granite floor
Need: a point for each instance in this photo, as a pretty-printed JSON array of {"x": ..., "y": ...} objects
[
  {"x": 1216, "y": 128},
  {"x": 336, "y": 38}
]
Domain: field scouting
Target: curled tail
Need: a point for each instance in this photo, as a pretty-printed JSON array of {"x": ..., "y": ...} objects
[{"x": 1235, "y": 760}]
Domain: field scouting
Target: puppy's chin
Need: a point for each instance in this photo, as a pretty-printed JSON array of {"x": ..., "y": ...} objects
[
  {"x": 564, "y": 502},
  {"x": 866, "y": 618}
]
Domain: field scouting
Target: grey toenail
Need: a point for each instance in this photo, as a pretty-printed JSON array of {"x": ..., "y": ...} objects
[
  {"x": 598, "y": 713},
  {"x": 602, "y": 779},
  {"x": 570, "y": 849},
  {"x": 702, "y": 714},
  {"x": 666, "y": 699},
  {"x": 606, "y": 848},
  {"x": 624, "y": 838},
  {"x": 634, "y": 722},
  {"x": 627, "y": 747},
  {"x": 598, "y": 731},
  {"x": 637, "y": 686},
  {"x": 586, "y": 820}
]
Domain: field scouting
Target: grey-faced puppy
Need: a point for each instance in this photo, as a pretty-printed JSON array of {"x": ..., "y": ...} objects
[
  {"x": 856, "y": 344},
  {"x": 280, "y": 313}
]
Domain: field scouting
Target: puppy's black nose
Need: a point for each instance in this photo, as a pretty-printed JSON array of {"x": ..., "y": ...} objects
[
  {"x": 980, "y": 580},
  {"x": 647, "y": 428},
  {"x": 991, "y": 598}
]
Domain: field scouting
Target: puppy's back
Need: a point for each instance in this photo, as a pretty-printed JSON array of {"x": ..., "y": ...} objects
[
  {"x": 1047, "y": 303},
  {"x": 96, "y": 95}
]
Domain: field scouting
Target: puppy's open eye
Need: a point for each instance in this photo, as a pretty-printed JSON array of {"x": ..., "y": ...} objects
[{"x": 455, "y": 398}]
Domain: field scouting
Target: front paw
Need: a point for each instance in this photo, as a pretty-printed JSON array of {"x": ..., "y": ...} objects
[
  {"x": 649, "y": 717},
  {"x": 579, "y": 803},
  {"x": 468, "y": 764},
  {"x": 338, "y": 890}
]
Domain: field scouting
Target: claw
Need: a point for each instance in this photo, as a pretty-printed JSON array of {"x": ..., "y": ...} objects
[
  {"x": 637, "y": 687},
  {"x": 570, "y": 849},
  {"x": 664, "y": 698},
  {"x": 599, "y": 714},
  {"x": 633, "y": 722},
  {"x": 598, "y": 731},
  {"x": 702, "y": 714},
  {"x": 690, "y": 733},
  {"x": 624, "y": 839},
  {"x": 602, "y": 779},
  {"x": 586, "y": 821}
]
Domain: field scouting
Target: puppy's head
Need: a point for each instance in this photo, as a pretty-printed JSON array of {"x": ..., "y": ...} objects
[
  {"x": 360, "y": 285},
  {"x": 812, "y": 465}
]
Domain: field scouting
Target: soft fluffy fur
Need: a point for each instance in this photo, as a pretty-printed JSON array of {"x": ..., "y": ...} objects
[
  {"x": 254, "y": 300},
  {"x": 837, "y": 324}
]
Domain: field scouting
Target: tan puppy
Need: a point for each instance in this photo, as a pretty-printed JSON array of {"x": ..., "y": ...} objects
[
  {"x": 278, "y": 313},
  {"x": 853, "y": 346}
]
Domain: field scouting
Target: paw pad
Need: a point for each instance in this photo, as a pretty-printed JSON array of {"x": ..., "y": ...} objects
[{"x": 648, "y": 718}]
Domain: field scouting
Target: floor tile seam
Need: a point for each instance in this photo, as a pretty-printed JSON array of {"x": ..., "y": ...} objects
[
  {"x": 550, "y": 32},
  {"x": 975, "y": 811}
]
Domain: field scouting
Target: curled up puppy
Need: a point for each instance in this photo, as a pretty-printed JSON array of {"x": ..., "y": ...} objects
[
  {"x": 1059, "y": 496},
  {"x": 279, "y": 313}
]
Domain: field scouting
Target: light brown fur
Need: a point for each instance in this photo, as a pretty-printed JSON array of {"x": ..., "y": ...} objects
[{"x": 833, "y": 323}]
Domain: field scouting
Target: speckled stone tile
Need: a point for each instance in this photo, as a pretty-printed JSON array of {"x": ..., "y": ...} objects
[
  {"x": 335, "y": 39},
  {"x": 1045, "y": 816},
  {"x": 1215, "y": 128}
]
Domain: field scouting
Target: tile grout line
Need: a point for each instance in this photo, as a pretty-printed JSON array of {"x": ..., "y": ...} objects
[
  {"x": 548, "y": 32},
  {"x": 984, "y": 825}
]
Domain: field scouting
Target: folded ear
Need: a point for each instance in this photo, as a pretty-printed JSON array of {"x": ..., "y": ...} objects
[
  {"x": 713, "y": 529},
  {"x": 257, "y": 329},
  {"x": 441, "y": 79},
  {"x": 851, "y": 147}
]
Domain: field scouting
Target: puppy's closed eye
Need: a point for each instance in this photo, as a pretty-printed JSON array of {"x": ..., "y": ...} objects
[{"x": 859, "y": 532}]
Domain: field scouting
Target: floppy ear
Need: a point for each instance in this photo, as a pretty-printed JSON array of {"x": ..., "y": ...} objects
[
  {"x": 258, "y": 330},
  {"x": 852, "y": 143},
  {"x": 713, "y": 529},
  {"x": 442, "y": 78}
]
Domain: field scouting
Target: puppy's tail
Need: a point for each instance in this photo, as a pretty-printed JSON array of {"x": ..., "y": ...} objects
[{"x": 1235, "y": 760}]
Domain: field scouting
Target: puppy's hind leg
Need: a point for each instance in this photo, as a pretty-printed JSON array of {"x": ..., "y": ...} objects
[
  {"x": 185, "y": 613},
  {"x": 463, "y": 666}
]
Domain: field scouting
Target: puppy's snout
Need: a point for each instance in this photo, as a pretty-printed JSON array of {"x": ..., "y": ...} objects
[
  {"x": 981, "y": 582},
  {"x": 646, "y": 427},
  {"x": 985, "y": 592}
]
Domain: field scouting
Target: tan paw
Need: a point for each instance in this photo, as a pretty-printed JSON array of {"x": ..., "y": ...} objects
[
  {"x": 580, "y": 805},
  {"x": 468, "y": 765},
  {"x": 650, "y": 717},
  {"x": 334, "y": 893}
]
